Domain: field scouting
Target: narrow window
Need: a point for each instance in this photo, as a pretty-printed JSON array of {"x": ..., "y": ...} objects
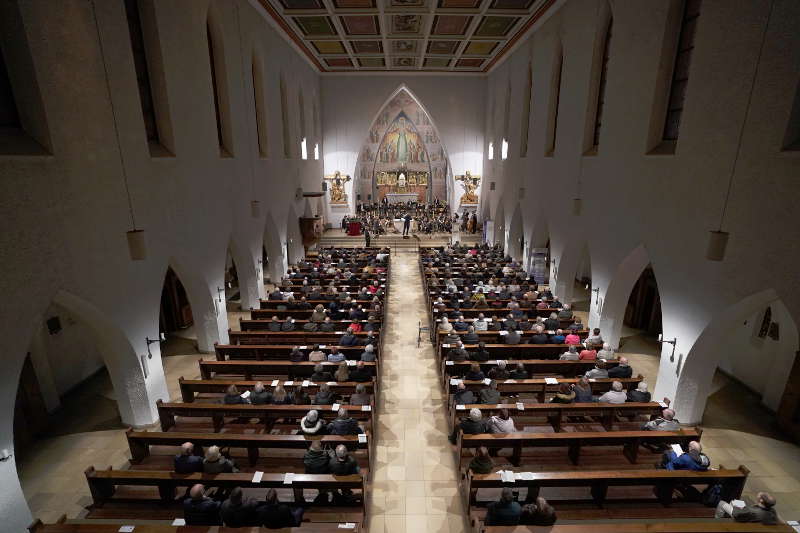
[
  {"x": 491, "y": 150},
  {"x": 258, "y": 104},
  {"x": 791, "y": 141},
  {"x": 555, "y": 95},
  {"x": 9, "y": 115},
  {"x": 216, "y": 61},
  {"x": 526, "y": 114},
  {"x": 601, "y": 89},
  {"x": 680, "y": 72},
  {"x": 287, "y": 138}
]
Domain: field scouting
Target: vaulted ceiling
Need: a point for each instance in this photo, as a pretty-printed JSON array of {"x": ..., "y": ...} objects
[{"x": 405, "y": 35}]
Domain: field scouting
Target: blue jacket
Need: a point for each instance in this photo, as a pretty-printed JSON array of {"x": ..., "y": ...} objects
[{"x": 686, "y": 462}]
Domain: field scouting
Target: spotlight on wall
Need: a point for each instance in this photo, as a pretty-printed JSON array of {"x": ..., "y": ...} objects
[
  {"x": 673, "y": 342},
  {"x": 220, "y": 292},
  {"x": 149, "y": 341},
  {"x": 717, "y": 243},
  {"x": 137, "y": 248},
  {"x": 596, "y": 290},
  {"x": 255, "y": 209},
  {"x": 577, "y": 206}
]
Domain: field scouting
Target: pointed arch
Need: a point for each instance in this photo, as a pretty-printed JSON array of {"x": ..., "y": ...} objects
[
  {"x": 611, "y": 305},
  {"x": 219, "y": 82},
  {"x": 285, "y": 124},
  {"x": 525, "y": 118},
  {"x": 433, "y": 150},
  {"x": 597, "y": 88},
  {"x": 246, "y": 273},
  {"x": 566, "y": 267},
  {"x": 294, "y": 239},
  {"x": 516, "y": 239},
  {"x": 205, "y": 308},
  {"x": 697, "y": 369},
  {"x": 554, "y": 99},
  {"x": 272, "y": 240}
]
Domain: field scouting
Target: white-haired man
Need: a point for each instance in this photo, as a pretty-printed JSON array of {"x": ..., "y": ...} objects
[{"x": 615, "y": 395}]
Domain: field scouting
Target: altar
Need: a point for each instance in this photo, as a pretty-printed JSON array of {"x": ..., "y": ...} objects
[{"x": 401, "y": 197}]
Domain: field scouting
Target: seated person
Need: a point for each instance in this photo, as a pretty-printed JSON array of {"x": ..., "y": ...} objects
[
  {"x": 187, "y": 462},
  {"x": 238, "y": 511},
  {"x": 260, "y": 395},
  {"x": 622, "y": 370},
  {"x": 216, "y": 463},
  {"x": 639, "y": 394},
  {"x": 607, "y": 352},
  {"x": 666, "y": 422},
  {"x": 480, "y": 324},
  {"x": 502, "y": 423},
  {"x": 588, "y": 354},
  {"x": 511, "y": 337},
  {"x": 572, "y": 338},
  {"x": 273, "y": 514},
  {"x": 565, "y": 313},
  {"x": 327, "y": 326},
  {"x": 505, "y": 512},
  {"x": 445, "y": 325},
  {"x": 583, "y": 390},
  {"x": 470, "y": 337},
  {"x": 694, "y": 459},
  {"x": 232, "y": 396},
  {"x": 489, "y": 394},
  {"x": 451, "y": 338},
  {"x": 599, "y": 371},
  {"x": 510, "y": 323},
  {"x": 463, "y": 395},
  {"x": 344, "y": 425},
  {"x": 519, "y": 372},
  {"x": 474, "y": 424},
  {"x": 577, "y": 325},
  {"x": 460, "y": 324},
  {"x": 565, "y": 394},
  {"x": 199, "y": 509},
  {"x": 481, "y": 354},
  {"x": 368, "y": 354},
  {"x": 316, "y": 355},
  {"x": 762, "y": 512},
  {"x": 274, "y": 324},
  {"x": 474, "y": 373},
  {"x": 320, "y": 374},
  {"x": 457, "y": 353},
  {"x": 482, "y": 462},
  {"x": 552, "y": 323},
  {"x": 348, "y": 339},
  {"x": 540, "y": 513},
  {"x": 571, "y": 354},
  {"x": 360, "y": 397},
  {"x": 342, "y": 372},
  {"x": 360, "y": 373},
  {"x": 342, "y": 463},
  {"x": 288, "y": 324},
  {"x": 499, "y": 372},
  {"x": 335, "y": 356},
  {"x": 539, "y": 336},
  {"x": 558, "y": 338},
  {"x": 325, "y": 396},
  {"x": 495, "y": 324},
  {"x": 595, "y": 339},
  {"x": 615, "y": 395}
]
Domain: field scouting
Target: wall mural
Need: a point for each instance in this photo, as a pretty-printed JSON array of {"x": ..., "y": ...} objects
[{"x": 402, "y": 155}]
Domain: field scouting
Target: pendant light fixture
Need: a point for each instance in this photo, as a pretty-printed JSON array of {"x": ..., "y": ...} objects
[
  {"x": 255, "y": 205},
  {"x": 137, "y": 246},
  {"x": 718, "y": 239}
]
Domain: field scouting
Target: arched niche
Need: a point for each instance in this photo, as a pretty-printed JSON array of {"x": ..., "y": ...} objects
[
  {"x": 244, "y": 268},
  {"x": 515, "y": 244},
  {"x": 402, "y": 136},
  {"x": 206, "y": 310}
]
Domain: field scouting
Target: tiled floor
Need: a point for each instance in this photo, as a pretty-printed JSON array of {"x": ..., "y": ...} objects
[{"x": 415, "y": 487}]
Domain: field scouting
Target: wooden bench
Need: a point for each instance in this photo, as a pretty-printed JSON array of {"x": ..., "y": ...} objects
[
  {"x": 717, "y": 526},
  {"x": 297, "y": 314},
  {"x": 473, "y": 312},
  {"x": 539, "y": 386},
  {"x": 248, "y": 369},
  {"x": 190, "y": 387},
  {"x": 607, "y": 413},
  {"x": 306, "y": 527},
  {"x": 277, "y": 352},
  {"x": 574, "y": 441},
  {"x": 139, "y": 442},
  {"x": 513, "y": 351},
  {"x": 265, "y": 413},
  {"x": 273, "y": 304},
  {"x": 261, "y": 326},
  {"x": 551, "y": 367}
]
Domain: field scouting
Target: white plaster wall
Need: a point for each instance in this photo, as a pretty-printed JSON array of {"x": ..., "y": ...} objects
[
  {"x": 455, "y": 104},
  {"x": 65, "y": 215},
  {"x": 665, "y": 203}
]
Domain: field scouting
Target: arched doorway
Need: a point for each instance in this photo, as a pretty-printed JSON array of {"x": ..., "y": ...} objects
[
  {"x": 233, "y": 296},
  {"x": 175, "y": 319}
]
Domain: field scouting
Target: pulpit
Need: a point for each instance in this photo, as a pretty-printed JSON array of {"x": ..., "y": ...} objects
[{"x": 311, "y": 230}]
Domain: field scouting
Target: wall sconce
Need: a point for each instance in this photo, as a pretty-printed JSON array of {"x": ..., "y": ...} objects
[
  {"x": 673, "y": 342},
  {"x": 596, "y": 290},
  {"x": 161, "y": 338},
  {"x": 219, "y": 294},
  {"x": 260, "y": 269}
]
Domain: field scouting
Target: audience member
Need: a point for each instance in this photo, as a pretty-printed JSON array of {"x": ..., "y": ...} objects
[
  {"x": 312, "y": 424},
  {"x": 320, "y": 374},
  {"x": 607, "y": 352},
  {"x": 499, "y": 372},
  {"x": 360, "y": 373},
  {"x": 583, "y": 390},
  {"x": 615, "y": 395},
  {"x": 600, "y": 371},
  {"x": 693, "y": 459},
  {"x": 481, "y": 354},
  {"x": 344, "y": 425},
  {"x": 540, "y": 513},
  {"x": 273, "y": 514},
  {"x": 482, "y": 462},
  {"x": 622, "y": 370},
  {"x": 502, "y": 423},
  {"x": 474, "y": 373},
  {"x": 360, "y": 397},
  {"x": 238, "y": 511},
  {"x": 216, "y": 463},
  {"x": 519, "y": 372},
  {"x": 639, "y": 394},
  {"x": 763, "y": 511},
  {"x": 200, "y": 510},
  {"x": 187, "y": 462},
  {"x": 368, "y": 354},
  {"x": 232, "y": 396},
  {"x": 463, "y": 395},
  {"x": 505, "y": 512},
  {"x": 325, "y": 396},
  {"x": 571, "y": 354},
  {"x": 489, "y": 394},
  {"x": 474, "y": 424},
  {"x": 565, "y": 394}
]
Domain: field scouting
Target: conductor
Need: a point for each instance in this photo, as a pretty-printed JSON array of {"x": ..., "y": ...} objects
[{"x": 406, "y": 224}]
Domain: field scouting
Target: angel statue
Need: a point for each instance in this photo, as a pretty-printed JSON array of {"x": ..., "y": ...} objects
[
  {"x": 470, "y": 184},
  {"x": 337, "y": 182}
]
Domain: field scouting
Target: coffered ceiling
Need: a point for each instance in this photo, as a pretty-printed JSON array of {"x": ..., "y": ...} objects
[{"x": 404, "y": 35}]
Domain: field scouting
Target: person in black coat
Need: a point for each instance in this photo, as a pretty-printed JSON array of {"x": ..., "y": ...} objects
[
  {"x": 472, "y": 425},
  {"x": 187, "y": 462},
  {"x": 623, "y": 370},
  {"x": 200, "y": 510},
  {"x": 360, "y": 373},
  {"x": 238, "y": 511},
  {"x": 273, "y": 514},
  {"x": 344, "y": 425},
  {"x": 463, "y": 395}
]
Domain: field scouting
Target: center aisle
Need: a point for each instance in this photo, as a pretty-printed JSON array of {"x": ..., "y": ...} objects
[{"x": 414, "y": 487}]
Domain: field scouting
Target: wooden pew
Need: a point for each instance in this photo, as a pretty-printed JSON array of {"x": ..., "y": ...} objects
[
  {"x": 297, "y": 314},
  {"x": 530, "y": 311},
  {"x": 552, "y": 367},
  {"x": 262, "y": 336},
  {"x": 265, "y": 413},
  {"x": 718, "y": 526},
  {"x": 139, "y": 442},
  {"x": 190, "y": 387},
  {"x": 248, "y": 369},
  {"x": 507, "y": 352},
  {"x": 103, "y": 483},
  {"x": 574, "y": 441},
  {"x": 539, "y": 387},
  {"x": 273, "y": 304},
  {"x": 306, "y": 527},
  {"x": 277, "y": 352},
  {"x": 607, "y": 413}
]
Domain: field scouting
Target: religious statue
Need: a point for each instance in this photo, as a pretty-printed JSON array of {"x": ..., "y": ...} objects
[
  {"x": 336, "y": 186},
  {"x": 401, "y": 181},
  {"x": 470, "y": 184}
]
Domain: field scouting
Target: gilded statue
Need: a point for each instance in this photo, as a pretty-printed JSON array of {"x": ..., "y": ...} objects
[
  {"x": 336, "y": 187},
  {"x": 470, "y": 184}
]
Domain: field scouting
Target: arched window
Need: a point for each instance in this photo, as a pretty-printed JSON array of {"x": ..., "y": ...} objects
[
  {"x": 680, "y": 72},
  {"x": 302, "y": 130},
  {"x": 506, "y": 122},
  {"x": 287, "y": 138},
  {"x": 526, "y": 113},
  {"x": 555, "y": 96},
  {"x": 601, "y": 88}
]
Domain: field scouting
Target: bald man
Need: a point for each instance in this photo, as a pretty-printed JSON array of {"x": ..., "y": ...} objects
[
  {"x": 200, "y": 510},
  {"x": 187, "y": 462}
]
